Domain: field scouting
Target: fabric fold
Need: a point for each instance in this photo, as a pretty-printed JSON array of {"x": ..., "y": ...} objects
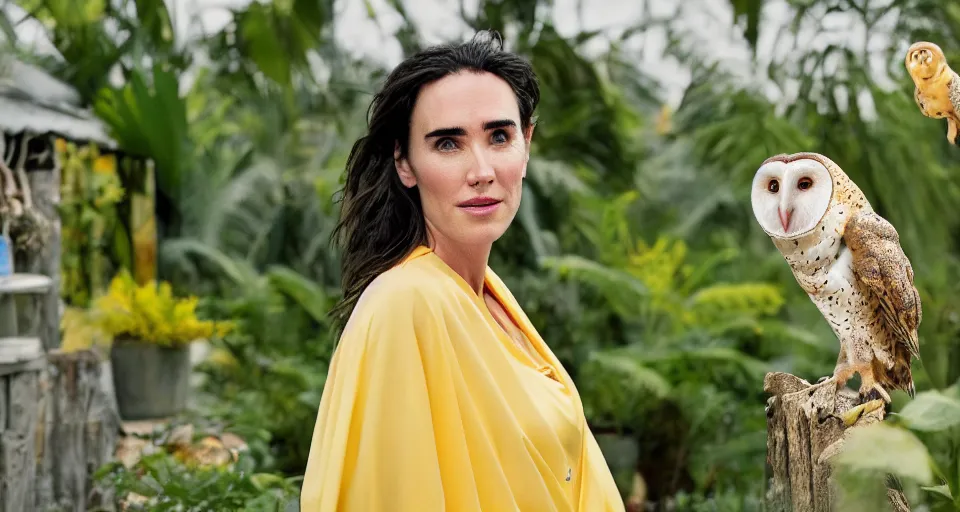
[{"x": 427, "y": 408}]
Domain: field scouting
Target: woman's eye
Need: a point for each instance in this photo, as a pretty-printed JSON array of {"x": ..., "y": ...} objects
[
  {"x": 500, "y": 137},
  {"x": 773, "y": 186},
  {"x": 804, "y": 183},
  {"x": 446, "y": 145}
]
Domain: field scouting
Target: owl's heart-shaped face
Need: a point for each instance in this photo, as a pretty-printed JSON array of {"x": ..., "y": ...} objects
[
  {"x": 790, "y": 198},
  {"x": 924, "y": 61}
]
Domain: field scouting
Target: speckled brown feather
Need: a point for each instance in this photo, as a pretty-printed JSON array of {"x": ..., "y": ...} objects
[
  {"x": 936, "y": 85},
  {"x": 855, "y": 307},
  {"x": 880, "y": 263}
]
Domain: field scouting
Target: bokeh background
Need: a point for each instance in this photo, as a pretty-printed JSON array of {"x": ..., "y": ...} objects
[{"x": 635, "y": 251}]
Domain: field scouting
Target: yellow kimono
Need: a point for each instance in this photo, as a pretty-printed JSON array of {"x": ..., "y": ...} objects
[{"x": 429, "y": 406}]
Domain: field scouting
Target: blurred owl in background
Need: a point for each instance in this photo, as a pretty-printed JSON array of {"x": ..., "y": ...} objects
[
  {"x": 937, "y": 87},
  {"x": 849, "y": 261}
]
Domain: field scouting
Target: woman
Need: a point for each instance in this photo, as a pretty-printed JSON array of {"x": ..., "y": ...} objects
[{"x": 441, "y": 395}]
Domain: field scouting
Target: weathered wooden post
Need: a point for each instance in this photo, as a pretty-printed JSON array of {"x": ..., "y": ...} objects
[
  {"x": 805, "y": 429},
  {"x": 22, "y": 362}
]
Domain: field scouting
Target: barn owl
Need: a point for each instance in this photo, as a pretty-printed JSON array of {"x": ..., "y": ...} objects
[
  {"x": 936, "y": 86},
  {"x": 849, "y": 262}
]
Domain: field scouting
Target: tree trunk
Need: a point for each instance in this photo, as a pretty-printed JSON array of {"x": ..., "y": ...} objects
[
  {"x": 803, "y": 431},
  {"x": 79, "y": 435}
]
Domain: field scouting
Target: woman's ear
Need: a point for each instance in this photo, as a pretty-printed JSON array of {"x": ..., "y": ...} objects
[
  {"x": 527, "y": 138},
  {"x": 407, "y": 177}
]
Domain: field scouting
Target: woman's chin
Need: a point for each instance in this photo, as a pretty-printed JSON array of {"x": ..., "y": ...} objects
[{"x": 481, "y": 236}]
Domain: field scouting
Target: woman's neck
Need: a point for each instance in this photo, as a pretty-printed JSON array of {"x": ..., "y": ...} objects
[{"x": 468, "y": 261}]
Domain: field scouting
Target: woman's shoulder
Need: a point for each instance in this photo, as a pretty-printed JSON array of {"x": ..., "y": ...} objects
[
  {"x": 407, "y": 287},
  {"x": 400, "y": 304}
]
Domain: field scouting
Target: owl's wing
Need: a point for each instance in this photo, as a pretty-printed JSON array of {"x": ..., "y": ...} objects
[{"x": 880, "y": 263}]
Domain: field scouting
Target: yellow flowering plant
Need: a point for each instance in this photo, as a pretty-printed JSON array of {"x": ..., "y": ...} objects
[{"x": 151, "y": 314}]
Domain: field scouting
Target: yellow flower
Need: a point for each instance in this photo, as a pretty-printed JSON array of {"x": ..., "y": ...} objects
[
  {"x": 152, "y": 314},
  {"x": 105, "y": 164}
]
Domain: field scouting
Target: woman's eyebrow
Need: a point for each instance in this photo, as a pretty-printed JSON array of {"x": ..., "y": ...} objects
[
  {"x": 457, "y": 131},
  {"x": 502, "y": 123},
  {"x": 446, "y": 132}
]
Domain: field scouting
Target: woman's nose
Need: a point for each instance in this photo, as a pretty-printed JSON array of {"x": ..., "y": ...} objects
[{"x": 481, "y": 169}]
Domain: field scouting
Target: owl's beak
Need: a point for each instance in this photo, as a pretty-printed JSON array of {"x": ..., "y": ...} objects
[{"x": 784, "y": 218}]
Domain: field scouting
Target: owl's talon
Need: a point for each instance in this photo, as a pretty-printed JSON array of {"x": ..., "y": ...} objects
[
  {"x": 875, "y": 392},
  {"x": 883, "y": 393}
]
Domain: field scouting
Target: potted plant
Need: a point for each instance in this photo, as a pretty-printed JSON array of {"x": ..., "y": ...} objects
[{"x": 150, "y": 332}]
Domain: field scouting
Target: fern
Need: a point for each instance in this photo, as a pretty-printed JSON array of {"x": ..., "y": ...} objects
[
  {"x": 634, "y": 374},
  {"x": 700, "y": 357},
  {"x": 308, "y": 295},
  {"x": 556, "y": 176},
  {"x": 618, "y": 391},
  {"x": 622, "y": 290}
]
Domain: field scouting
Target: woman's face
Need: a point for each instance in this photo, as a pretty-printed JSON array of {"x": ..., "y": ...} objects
[{"x": 468, "y": 156}]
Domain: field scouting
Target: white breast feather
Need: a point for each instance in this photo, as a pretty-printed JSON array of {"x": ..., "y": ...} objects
[{"x": 851, "y": 311}]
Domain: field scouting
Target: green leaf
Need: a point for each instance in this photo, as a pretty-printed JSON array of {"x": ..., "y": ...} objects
[
  {"x": 123, "y": 248},
  {"x": 605, "y": 278},
  {"x": 638, "y": 377},
  {"x": 702, "y": 356},
  {"x": 258, "y": 28},
  {"x": 940, "y": 490},
  {"x": 902, "y": 453},
  {"x": 931, "y": 411},
  {"x": 150, "y": 121},
  {"x": 278, "y": 36},
  {"x": 263, "y": 481},
  {"x": 624, "y": 292},
  {"x": 371, "y": 12},
  {"x": 69, "y": 13},
  {"x": 7, "y": 29},
  {"x": 154, "y": 18},
  {"x": 239, "y": 272},
  {"x": 308, "y": 294},
  {"x": 749, "y": 11}
]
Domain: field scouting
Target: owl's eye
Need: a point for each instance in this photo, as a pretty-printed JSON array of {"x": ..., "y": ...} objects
[
  {"x": 773, "y": 186},
  {"x": 804, "y": 183}
]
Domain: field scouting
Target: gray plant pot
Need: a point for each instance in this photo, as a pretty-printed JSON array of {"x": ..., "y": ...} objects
[{"x": 150, "y": 381}]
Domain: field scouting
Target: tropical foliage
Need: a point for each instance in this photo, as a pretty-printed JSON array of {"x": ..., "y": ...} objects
[
  {"x": 635, "y": 251},
  {"x": 89, "y": 195}
]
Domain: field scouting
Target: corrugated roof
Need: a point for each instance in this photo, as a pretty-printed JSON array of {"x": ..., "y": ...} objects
[
  {"x": 38, "y": 84},
  {"x": 31, "y": 99},
  {"x": 17, "y": 115}
]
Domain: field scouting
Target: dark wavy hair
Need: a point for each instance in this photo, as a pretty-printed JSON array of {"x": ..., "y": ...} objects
[{"x": 381, "y": 220}]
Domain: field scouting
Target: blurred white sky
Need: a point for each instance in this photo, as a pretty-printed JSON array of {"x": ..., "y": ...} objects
[
  {"x": 708, "y": 20},
  {"x": 439, "y": 20}
]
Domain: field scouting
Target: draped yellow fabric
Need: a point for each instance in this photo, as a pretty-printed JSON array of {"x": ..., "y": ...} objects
[{"x": 429, "y": 406}]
